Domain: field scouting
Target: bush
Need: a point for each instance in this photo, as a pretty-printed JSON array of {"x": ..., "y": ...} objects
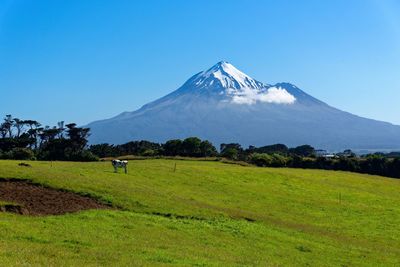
[
  {"x": 82, "y": 155},
  {"x": 19, "y": 154},
  {"x": 393, "y": 168},
  {"x": 323, "y": 163},
  {"x": 230, "y": 153},
  {"x": 279, "y": 161},
  {"x": 261, "y": 160},
  {"x": 303, "y": 151},
  {"x": 149, "y": 153},
  {"x": 301, "y": 162},
  {"x": 346, "y": 164},
  {"x": 267, "y": 160}
]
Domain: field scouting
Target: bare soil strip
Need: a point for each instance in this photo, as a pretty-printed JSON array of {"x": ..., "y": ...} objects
[{"x": 37, "y": 200}]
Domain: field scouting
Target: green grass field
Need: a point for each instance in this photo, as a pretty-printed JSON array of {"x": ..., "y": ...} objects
[{"x": 207, "y": 214}]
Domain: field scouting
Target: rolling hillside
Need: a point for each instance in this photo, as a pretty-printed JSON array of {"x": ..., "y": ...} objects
[{"x": 207, "y": 213}]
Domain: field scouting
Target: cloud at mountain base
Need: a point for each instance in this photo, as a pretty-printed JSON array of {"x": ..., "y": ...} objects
[{"x": 273, "y": 95}]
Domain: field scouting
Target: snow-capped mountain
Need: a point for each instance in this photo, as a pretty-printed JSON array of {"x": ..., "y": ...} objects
[{"x": 223, "y": 105}]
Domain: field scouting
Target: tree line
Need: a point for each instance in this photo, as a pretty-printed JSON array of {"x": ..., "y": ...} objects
[
  {"x": 28, "y": 139},
  {"x": 305, "y": 156},
  {"x": 189, "y": 147},
  {"x": 278, "y": 155},
  {"x": 194, "y": 147},
  {"x": 369, "y": 164}
]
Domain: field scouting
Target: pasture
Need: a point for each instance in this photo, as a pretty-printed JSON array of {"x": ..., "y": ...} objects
[{"x": 206, "y": 214}]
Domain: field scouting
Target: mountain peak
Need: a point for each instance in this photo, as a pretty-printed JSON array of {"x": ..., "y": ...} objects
[
  {"x": 225, "y": 75},
  {"x": 222, "y": 65},
  {"x": 225, "y": 82}
]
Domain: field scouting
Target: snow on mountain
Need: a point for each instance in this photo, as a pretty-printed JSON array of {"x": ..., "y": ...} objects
[
  {"x": 238, "y": 87},
  {"x": 223, "y": 104},
  {"x": 227, "y": 76}
]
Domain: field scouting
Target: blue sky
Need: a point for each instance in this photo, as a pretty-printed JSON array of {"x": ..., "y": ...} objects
[{"x": 82, "y": 60}]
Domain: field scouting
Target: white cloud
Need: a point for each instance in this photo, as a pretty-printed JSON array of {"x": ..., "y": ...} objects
[
  {"x": 243, "y": 100},
  {"x": 272, "y": 95}
]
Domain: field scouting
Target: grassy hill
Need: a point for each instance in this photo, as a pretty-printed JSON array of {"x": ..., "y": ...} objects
[{"x": 207, "y": 213}]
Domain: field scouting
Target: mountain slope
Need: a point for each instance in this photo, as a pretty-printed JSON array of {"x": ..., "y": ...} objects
[{"x": 225, "y": 105}]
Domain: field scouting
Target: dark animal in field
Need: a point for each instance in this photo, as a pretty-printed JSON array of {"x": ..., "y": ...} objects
[
  {"x": 22, "y": 164},
  {"x": 119, "y": 164}
]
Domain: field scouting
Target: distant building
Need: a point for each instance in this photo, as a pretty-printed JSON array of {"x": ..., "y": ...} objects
[
  {"x": 324, "y": 154},
  {"x": 321, "y": 152}
]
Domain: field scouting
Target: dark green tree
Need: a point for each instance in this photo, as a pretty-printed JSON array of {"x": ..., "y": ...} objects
[
  {"x": 232, "y": 151},
  {"x": 78, "y": 137},
  {"x": 207, "y": 149},
  {"x": 173, "y": 147},
  {"x": 191, "y": 147},
  {"x": 303, "y": 151}
]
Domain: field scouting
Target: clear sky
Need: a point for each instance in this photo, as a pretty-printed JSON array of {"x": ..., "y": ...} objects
[{"x": 82, "y": 60}]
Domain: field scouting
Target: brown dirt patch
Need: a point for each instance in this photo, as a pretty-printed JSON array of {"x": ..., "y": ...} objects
[{"x": 38, "y": 200}]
